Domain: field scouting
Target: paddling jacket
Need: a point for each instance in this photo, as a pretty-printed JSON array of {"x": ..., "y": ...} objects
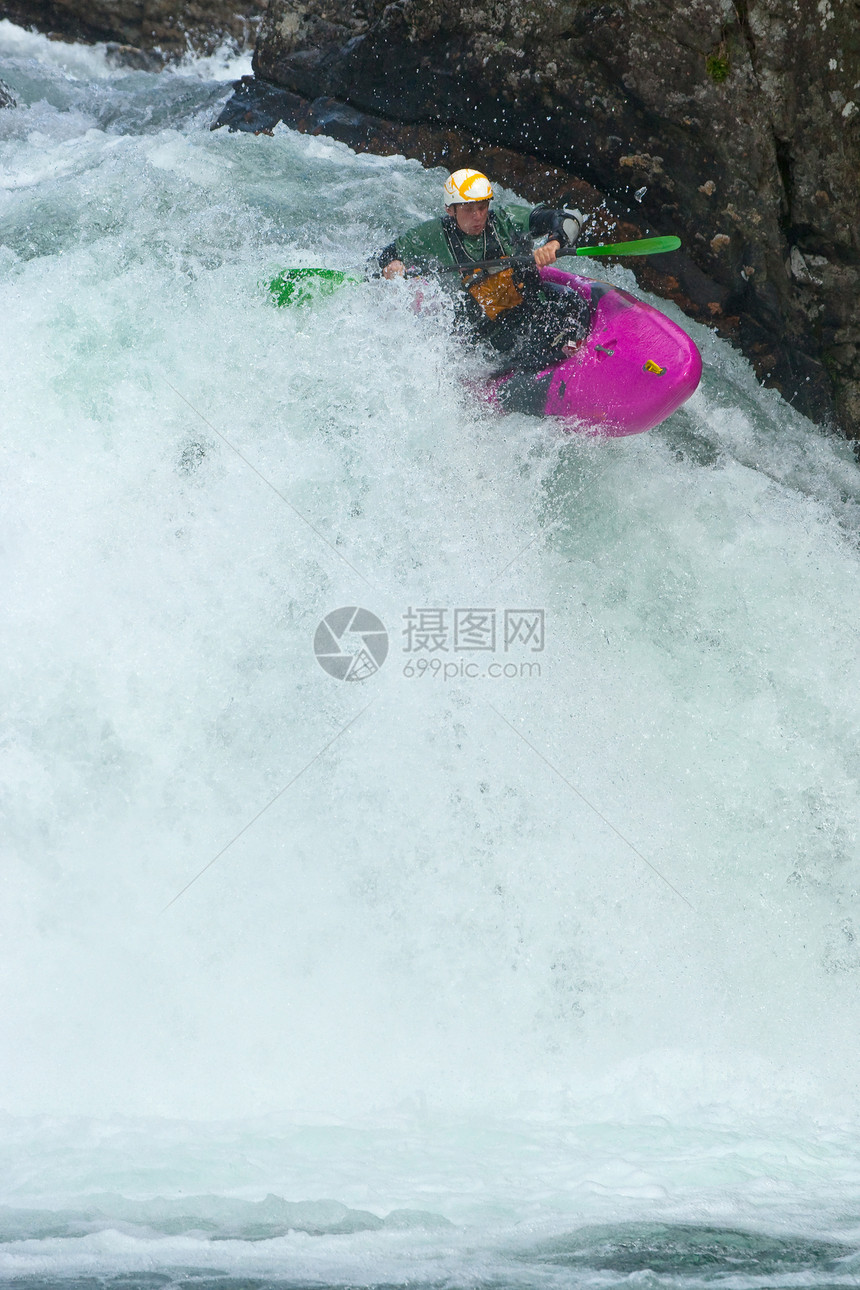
[
  {"x": 509, "y": 231},
  {"x": 510, "y": 311}
]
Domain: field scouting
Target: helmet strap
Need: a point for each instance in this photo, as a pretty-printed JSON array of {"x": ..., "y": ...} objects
[{"x": 491, "y": 247}]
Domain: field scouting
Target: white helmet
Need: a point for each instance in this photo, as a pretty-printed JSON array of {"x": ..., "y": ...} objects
[{"x": 467, "y": 186}]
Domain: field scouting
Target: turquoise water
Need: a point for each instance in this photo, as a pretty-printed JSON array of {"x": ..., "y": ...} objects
[{"x": 547, "y": 975}]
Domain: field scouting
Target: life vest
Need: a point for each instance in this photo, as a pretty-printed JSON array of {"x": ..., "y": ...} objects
[{"x": 494, "y": 289}]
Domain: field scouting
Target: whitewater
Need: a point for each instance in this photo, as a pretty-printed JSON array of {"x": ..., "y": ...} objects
[{"x": 539, "y": 967}]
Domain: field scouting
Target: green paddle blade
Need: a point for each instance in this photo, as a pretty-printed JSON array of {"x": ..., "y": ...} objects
[
  {"x": 303, "y": 286},
  {"x": 646, "y": 246}
]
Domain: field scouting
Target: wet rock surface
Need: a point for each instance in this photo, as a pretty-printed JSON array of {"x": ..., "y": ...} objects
[
  {"x": 733, "y": 123},
  {"x": 7, "y": 98}
]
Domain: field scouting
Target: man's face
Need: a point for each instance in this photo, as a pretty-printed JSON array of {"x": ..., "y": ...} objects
[{"x": 471, "y": 217}]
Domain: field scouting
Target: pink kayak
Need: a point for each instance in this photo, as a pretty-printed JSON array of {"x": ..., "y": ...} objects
[{"x": 631, "y": 372}]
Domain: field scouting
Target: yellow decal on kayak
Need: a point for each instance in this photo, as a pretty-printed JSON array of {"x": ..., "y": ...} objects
[{"x": 651, "y": 366}]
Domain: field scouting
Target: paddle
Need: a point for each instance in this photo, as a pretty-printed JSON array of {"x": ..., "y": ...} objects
[
  {"x": 301, "y": 286},
  {"x": 645, "y": 246}
]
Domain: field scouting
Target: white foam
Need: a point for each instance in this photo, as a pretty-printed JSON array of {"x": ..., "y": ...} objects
[
  {"x": 94, "y": 62},
  {"x": 430, "y": 910},
  {"x": 78, "y": 61}
]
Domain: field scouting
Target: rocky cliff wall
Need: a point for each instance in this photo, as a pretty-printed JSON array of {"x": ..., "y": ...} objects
[{"x": 736, "y": 122}]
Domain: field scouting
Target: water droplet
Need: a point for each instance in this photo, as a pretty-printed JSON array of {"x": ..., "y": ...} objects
[{"x": 640, "y": 193}]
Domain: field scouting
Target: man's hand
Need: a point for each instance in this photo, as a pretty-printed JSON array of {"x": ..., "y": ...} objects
[
  {"x": 546, "y": 254},
  {"x": 396, "y": 269}
]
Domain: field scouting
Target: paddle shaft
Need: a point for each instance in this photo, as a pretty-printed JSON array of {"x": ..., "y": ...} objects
[
  {"x": 645, "y": 246},
  {"x": 293, "y": 285}
]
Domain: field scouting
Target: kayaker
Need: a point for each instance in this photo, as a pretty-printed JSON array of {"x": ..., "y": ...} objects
[{"x": 507, "y": 306}]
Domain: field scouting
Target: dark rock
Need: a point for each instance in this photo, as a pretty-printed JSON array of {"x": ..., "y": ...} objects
[
  {"x": 136, "y": 60},
  {"x": 736, "y": 124},
  {"x": 7, "y": 98}
]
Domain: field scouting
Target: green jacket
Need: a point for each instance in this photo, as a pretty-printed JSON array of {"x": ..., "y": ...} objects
[
  {"x": 427, "y": 243},
  {"x": 510, "y": 231}
]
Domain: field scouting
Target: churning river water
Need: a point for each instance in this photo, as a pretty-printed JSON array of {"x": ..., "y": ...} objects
[{"x": 537, "y": 966}]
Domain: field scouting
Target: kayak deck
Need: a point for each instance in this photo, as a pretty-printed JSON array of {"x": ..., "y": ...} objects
[{"x": 632, "y": 371}]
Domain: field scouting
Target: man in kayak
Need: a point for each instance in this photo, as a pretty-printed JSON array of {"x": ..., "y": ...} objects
[{"x": 504, "y": 305}]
